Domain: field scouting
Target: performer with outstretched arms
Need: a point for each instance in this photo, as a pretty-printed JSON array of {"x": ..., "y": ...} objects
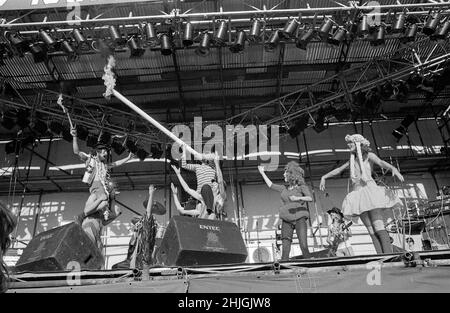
[
  {"x": 205, "y": 173},
  {"x": 293, "y": 212},
  {"x": 97, "y": 174},
  {"x": 367, "y": 200}
]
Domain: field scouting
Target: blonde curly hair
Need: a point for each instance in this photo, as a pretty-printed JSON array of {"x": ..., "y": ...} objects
[
  {"x": 294, "y": 173},
  {"x": 357, "y": 138}
]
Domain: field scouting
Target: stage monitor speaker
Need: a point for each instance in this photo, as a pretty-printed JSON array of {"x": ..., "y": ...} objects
[
  {"x": 53, "y": 250},
  {"x": 191, "y": 241}
]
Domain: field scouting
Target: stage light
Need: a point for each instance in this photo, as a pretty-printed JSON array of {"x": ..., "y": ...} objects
[
  {"x": 290, "y": 28},
  {"x": 78, "y": 36},
  {"x": 38, "y": 52},
  {"x": 48, "y": 40},
  {"x": 273, "y": 41},
  {"x": 299, "y": 126},
  {"x": 403, "y": 129},
  {"x": 203, "y": 47},
  {"x": 401, "y": 92},
  {"x": 7, "y": 121},
  {"x": 363, "y": 28},
  {"x": 378, "y": 38},
  {"x": 156, "y": 151},
  {"x": 431, "y": 24},
  {"x": 67, "y": 48},
  {"x": 150, "y": 34},
  {"x": 319, "y": 125},
  {"x": 220, "y": 38},
  {"x": 442, "y": 32},
  {"x": 56, "y": 127},
  {"x": 91, "y": 141},
  {"x": 12, "y": 147},
  {"x": 304, "y": 39},
  {"x": 118, "y": 147},
  {"x": 136, "y": 50},
  {"x": 338, "y": 37},
  {"x": 105, "y": 138},
  {"x": 27, "y": 141},
  {"x": 82, "y": 133},
  {"x": 23, "y": 118},
  {"x": 239, "y": 42},
  {"x": 20, "y": 44},
  {"x": 166, "y": 45},
  {"x": 39, "y": 127},
  {"x": 399, "y": 24},
  {"x": 131, "y": 146},
  {"x": 104, "y": 48},
  {"x": 116, "y": 37},
  {"x": 387, "y": 91},
  {"x": 324, "y": 31},
  {"x": 410, "y": 34},
  {"x": 142, "y": 154},
  {"x": 188, "y": 35},
  {"x": 255, "y": 31}
]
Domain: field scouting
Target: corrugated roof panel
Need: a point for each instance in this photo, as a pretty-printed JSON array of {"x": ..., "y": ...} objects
[
  {"x": 307, "y": 76},
  {"x": 189, "y": 60},
  {"x": 292, "y": 54},
  {"x": 319, "y": 52}
]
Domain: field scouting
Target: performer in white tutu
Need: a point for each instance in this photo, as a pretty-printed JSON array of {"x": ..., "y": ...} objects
[{"x": 367, "y": 200}]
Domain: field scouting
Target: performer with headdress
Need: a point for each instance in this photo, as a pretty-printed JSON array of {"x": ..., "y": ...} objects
[
  {"x": 367, "y": 200},
  {"x": 96, "y": 175},
  {"x": 7, "y": 225},
  {"x": 293, "y": 212}
]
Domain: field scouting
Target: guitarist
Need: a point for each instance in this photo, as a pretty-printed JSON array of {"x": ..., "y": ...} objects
[
  {"x": 338, "y": 234},
  {"x": 293, "y": 212}
]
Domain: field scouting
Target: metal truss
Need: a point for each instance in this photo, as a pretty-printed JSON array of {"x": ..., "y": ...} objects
[
  {"x": 395, "y": 65},
  {"x": 95, "y": 117}
]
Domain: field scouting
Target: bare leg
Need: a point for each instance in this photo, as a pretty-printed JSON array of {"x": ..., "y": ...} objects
[
  {"x": 365, "y": 218},
  {"x": 376, "y": 218}
]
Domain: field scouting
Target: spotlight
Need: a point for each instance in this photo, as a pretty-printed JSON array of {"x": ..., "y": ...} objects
[
  {"x": 105, "y": 138},
  {"x": 27, "y": 141},
  {"x": 255, "y": 31},
  {"x": 12, "y": 147},
  {"x": 304, "y": 39},
  {"x": 23, "y": 118},
  {"x": 166, "y": 45},
  {"x": 56, "y": 128},
  {"x": 430, "y": 26},
  {"x": 403, "y": 129},
  {"x": 150, "y": 34},
  {"x": 39, "y": 127},
  {"x": 378, "y": 38},
  {"x": 156, "y": 151},
  {"x": 410, "y": 34},
  {"x": 18, "y": 43},
  {"x": 399, "y": 24},
  {"x": 118, "y": 147},
  {"x": 116, "y": 37},
  {"x": 91, "y": 141},
  {"x": 78, "y": 36},
  {"x": 7, "y": 121},
  {"x": 66, "y": 134},
  {"x": 67, "y": 48},
  {"x": 38, "y": 52},
  {"x": 273, "y": 41},
  {"x": 136, "y": 50},
  {"x": 387, "y": 91},
  {"x": 82, "y": 132},
  {"x": 220, "y": 37},
  {"x": 290, "y": 28},
  {"x": 363, "y": 28},
  {"x": 401, "y": 92},
  {"x": 319, "y": 125},
  {"x": 142, "y": 154},
  {"x": 187, "y": 36},
  {"x": 239, "y": 42},
  {"x": 131, "y": 146},
  {"x": 442, "y": 32},
  {"x": 300, "y": 125},
  {"x": 104, "y": 48},
  {"x": 48, "y": 40},
  {"x": 324, "y": 31},
  {"x": 338, "y": 37},
  {"x": 203, "y": 47}
]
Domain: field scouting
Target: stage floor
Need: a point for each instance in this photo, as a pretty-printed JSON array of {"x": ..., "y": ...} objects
[{"x": 373, "y": 273}]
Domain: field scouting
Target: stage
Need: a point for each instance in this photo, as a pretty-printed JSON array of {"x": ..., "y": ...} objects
[{"x": 428, "y": 272}]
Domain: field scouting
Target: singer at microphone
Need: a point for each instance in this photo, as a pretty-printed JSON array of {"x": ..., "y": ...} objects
[{"x": 338, "y": 234}]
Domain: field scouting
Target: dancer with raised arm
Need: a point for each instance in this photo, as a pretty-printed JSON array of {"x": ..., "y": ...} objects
[
  {"x": 293, "y": 212},
  {"x": 367, "y": 200},
  {"x": 96, "y": 175},
  {"x": 7, "y": 225}
]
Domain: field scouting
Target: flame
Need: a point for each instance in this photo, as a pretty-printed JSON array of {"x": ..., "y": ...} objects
[{"x": 109, "y": 78}]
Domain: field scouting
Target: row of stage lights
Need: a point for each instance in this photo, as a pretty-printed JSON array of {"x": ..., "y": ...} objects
[
  {"x": 37, "y": 128},
  {"x": 407, "y": 27}
]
